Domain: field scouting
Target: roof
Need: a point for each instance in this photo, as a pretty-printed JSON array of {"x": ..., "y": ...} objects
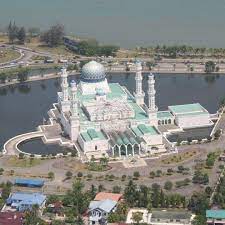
[
  {"x": 215, "y": 214},
  {"x": 164, "y": 114},
  {"x": 92, "y": 134},
  {"x": 191, "y": 109},
  {"x": 106, "y": 195},
  {"x": 104, "y": 205},
  {"x": 12, "y": 218},
  {"x": 142, "y": 129},
  {"x": 27, "y": 198},
  {"x": 29, "y": 182},
  {"x": 173, "y": 215}
]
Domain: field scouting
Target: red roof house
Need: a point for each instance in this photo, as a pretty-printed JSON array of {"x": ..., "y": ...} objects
[
  {"x": 11, "y": 218},
  {"x": 105, "y": 195}
]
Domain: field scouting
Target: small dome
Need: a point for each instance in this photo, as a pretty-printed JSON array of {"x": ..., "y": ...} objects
[
  {"x": 100, "y": 92},
  {"x": 93, "y": 72}
]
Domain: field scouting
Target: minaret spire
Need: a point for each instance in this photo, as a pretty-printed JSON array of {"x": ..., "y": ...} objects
[{"x": 139, "y": 94}]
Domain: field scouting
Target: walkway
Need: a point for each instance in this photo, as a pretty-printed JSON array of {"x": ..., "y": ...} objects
[{"x": 10, "y": 147}]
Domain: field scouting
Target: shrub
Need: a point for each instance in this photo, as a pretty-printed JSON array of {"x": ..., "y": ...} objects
[
  {"x": 79, "y": 174},
  {"x": 168, "y": 185},
  {"x": 136, "y": 174}
]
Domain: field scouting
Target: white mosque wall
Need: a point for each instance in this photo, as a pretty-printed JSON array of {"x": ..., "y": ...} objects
[
  {"x": 90, "y": 88},
  {"x": 94, "y": 145},
  {"x": 193, "y": 120},
  {"x": 153, "y": 139}
]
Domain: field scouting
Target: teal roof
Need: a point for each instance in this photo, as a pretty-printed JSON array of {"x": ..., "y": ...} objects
[
  {"x": 215, "y": 214},
  {"x": 187, "y": 108},
  {"x": 92, "y": 134},
  {"x": 142, "y": 129},
  {"x": 164, "y": 115}
]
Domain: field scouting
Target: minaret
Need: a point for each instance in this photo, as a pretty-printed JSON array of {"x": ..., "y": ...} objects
[
  {"x": 64, "y": 100},
  {"x": 139, "y": 94},
  {"x": 74, "y": 109},
  {"x": 64, "y": 84},
  {"x": 152, "y": 108},
  {"x": 74, "y": 118}
]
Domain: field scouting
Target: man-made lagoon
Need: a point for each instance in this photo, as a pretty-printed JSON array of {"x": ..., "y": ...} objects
[{"x": 24, "y": 106}]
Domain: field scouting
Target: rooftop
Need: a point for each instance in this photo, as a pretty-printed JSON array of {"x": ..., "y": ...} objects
[
  {"x": 171, "y": 215},
  {"x": 106, "y": 195},
  {"x": 105, "y": 205},
  {"x": 29, "y": 182},
  {"x": 26, "y": 198},
  {"x": 215, "y": 214},
  {"x": 142, "y": 129},
  {"x": 12, "y": 218},
  {"x": 194, "y": 108},
  {"x": 92, "y": 134},
  {"x": 164, "y": 114}
]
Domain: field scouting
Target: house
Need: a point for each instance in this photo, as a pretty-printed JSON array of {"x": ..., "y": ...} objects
[
  {"x": 163, "y": 217},
  {"x": 24, "y": 201},
  {"x": 11, "y": 218},
  {"x": 99, "y": 210},
  {"x": 106, "y": 195},
  {"x": 215, "y": 217}
]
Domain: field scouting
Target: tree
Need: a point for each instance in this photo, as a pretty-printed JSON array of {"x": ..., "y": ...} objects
[
  {"x": 199, "y": 220},
  {"x": 168, "y": 185},
  {"x": 53, "y": 37},
  {"x": 130, "y": 193},
  {"x": 32, "y": 217},
  {"x": 116, "y": 189},
  {"x": 21, "y": 155},
  {"x": 210, "y": 67},
  {"x": 21, "y": 35},
  {"x": 69, "y": 175},
  {"x": 12, "y": 32},
  {"x": 51, "y": 175},
  {"x": 136, "y": 174},
  {"x": 152, "y": 174},
  {"x": 22, "y": 74},
  {"x": 137, "y": 217},
  {"x": 34, "y": 31}
]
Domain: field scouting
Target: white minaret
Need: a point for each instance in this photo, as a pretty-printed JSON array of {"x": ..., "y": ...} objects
[
  {"x": 139, "y": 94},
  {"x": 64, "y": 84},
  {"x": 74, "y": 105},
  {"x": 152, "y": 108},
  {"x": 74, "y": 118},
  {"x": 64, "y": 100}
]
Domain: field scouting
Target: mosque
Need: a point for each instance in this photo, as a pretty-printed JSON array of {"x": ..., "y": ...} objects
[{"x": 105, "y": 118}]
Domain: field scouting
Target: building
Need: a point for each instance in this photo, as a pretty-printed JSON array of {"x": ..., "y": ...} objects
[
  {"x": 105, "y": 118},
  {"x": 215, "y": 217},
  {"x": 22, "y": 201},
  {"x": 106, "y": 195},
  {"x": 11, "y": 218},
  {"x": 163, "y": 217},
  {"x": 99, "y": 211},
  {"x": 33, "y": 183},
  {"x": 103, "y": 204},
  {"x": 171, "y": 218}
]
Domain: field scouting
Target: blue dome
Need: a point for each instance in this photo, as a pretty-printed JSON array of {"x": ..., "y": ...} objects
[{"x": 93, "y": 72}]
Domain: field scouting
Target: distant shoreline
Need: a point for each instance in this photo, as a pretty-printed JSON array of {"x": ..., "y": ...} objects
[{"x": 53, "y": 76}]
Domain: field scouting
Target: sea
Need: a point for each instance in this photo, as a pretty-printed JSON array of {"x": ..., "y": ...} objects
[{"x": 127, "y": 23}]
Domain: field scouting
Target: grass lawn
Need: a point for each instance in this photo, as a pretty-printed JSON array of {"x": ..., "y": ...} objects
[
  {"x": 14, "y": 161},
  {"x": 180, "y": 157},
  {"x": 7, "y": 55},
  {"x": 36, "y": 45}
]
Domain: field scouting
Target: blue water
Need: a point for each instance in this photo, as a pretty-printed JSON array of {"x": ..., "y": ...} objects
[{"x": 126, "y": 22}]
